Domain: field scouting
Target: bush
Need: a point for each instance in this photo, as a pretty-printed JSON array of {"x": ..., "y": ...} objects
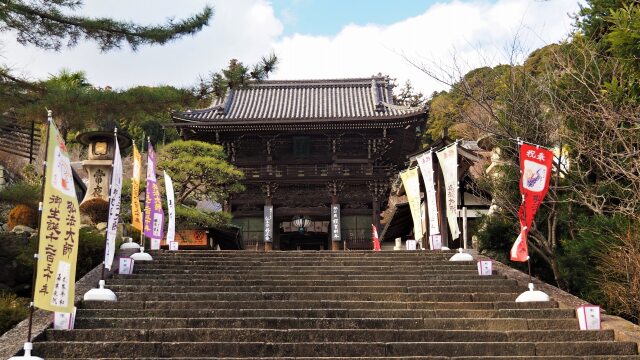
[
  {"x": 23, "y": 215},
  {"x": 21, "y": 193},
  {"x": 97, "y": 210},
  {"x": 90, "y": 251},
  {"x": 189, "y": 218},
  {"x": 13, "y": 309}
]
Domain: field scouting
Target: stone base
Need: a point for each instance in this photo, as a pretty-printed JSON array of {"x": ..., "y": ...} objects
[{"x": 268, "y": 246}]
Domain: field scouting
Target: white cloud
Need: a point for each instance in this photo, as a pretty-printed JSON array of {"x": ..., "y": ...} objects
[
  {"x": 242, "y": 29},
  {"x": 477, "y": 33}
]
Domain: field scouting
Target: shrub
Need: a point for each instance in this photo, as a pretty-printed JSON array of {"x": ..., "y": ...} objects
[
  {"x": 13, "y": 309},
  {"x": 97, "y": 210},
  {"x": 188, "y": 218},
  {"x": 23, "y": 215},
  {"x": 90, "y": 250},
  {"x": 21, "y": 193}
]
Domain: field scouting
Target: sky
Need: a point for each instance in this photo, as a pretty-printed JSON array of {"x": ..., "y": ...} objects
[{"x": 313, "y": 39}]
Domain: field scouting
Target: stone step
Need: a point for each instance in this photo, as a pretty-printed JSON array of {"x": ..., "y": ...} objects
[
  {"x": 559, "y": 357},
  {"x": 349, "y": 349},
  {"x": 328, "y": 313},
  {"x": 303, "y": 253},
  {"x": 294, "y": 273},
  {"x": 294, "y": 282},
  {"x": 503, "y": 324},
  {"x": 307, "y": 277},
  {"x": 365, "y": 266},
  {"x": 309, "y": 262},
  {"x": 346, "y": 296},
  {"x": 326, "y": 335},
  {"x": 477, "y": 288},
  {"x": 314, "y": 304}
]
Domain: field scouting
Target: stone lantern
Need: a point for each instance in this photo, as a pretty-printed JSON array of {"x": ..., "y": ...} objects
[{"x": 98, "y": 164}]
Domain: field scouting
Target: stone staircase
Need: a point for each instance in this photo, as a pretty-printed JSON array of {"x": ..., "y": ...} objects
[{"x": 329, "y": 305}]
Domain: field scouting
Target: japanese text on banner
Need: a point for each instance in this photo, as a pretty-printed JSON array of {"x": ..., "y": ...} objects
[{"x": 60, "y": 222}]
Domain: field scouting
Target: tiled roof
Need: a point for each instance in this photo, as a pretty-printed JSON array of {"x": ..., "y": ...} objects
[{"x": 365, "y": 98}]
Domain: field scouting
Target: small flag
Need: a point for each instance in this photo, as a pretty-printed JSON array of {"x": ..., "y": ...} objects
[{"x": 376, "y": 240}]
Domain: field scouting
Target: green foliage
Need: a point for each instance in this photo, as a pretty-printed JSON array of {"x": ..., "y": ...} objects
[
  {"x": 496, "y": 233},
  {"x": 199, "y": 171},
  {"x": 13, "y": 309},
  {"x": 409, "y": 97},
  {"x": 578, "y": 255},
  {"x": 236, "y": 76},
  {"x": 90, "y": 250},
  {"x": 49, "y": 25},
  {"x": 21, "y": 193},
  {"x": 190, "y": 218},
  {"x": 78, "y": 106}
]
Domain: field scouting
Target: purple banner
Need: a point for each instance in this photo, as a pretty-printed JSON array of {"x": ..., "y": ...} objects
[{"x": 153, "y": 214}]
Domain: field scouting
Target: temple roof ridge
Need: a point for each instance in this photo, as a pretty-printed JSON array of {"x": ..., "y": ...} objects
[{"x": 291, "y": 100}]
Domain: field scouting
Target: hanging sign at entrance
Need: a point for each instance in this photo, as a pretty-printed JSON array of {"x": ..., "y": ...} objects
[
  {"x": 335, "y": 222},
  {"x": 268, "y": 223},
  {"x": 412, "y": 189}
]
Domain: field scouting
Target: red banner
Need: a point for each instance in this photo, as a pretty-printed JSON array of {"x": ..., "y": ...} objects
[
  {"x": 376, "y": 240},
  {"x": 535, "y": 167}
]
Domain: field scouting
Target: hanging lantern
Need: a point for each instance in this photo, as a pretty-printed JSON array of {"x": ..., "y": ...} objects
[{"x": 301, "y": 222}]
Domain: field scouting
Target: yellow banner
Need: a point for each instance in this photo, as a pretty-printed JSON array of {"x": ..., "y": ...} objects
[
  {"x": 136, "y": 212},
  {"x": 411, "y": 183},
  {"x": 59, "y": 231}
]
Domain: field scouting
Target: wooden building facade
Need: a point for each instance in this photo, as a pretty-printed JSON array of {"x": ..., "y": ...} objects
[{"x": 318, "y": 157}]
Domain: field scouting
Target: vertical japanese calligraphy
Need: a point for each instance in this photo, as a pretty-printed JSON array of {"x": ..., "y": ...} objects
[
  {"x": 268, "y": 223},
  {"x": 448, "y": 159},
  {"x": 59, "y": 228},
  {"x": 114, "y": 207},
  {"x": 171, "y": 208},
  {"x": 153, "y": 213},
  {"x": 411, "y": 184},
  {"x": 425, "y": 162},
  {"x": 136, "y": 212},
  {"x": 335, "y": 222}
]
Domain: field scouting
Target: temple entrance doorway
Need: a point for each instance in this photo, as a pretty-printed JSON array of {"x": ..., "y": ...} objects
[{"x": 304, "y": 241}]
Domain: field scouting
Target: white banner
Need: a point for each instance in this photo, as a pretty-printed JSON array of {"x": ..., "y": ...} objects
[
  {"x": 114, "y": 207},
  {"x": 425, "y": 162},
  {"x": 448, "y": 159},
  {"x": 171, "y": 208},
  {"x": 411, "y": 182}
]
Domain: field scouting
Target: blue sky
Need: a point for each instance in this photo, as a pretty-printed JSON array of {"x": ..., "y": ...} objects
[
  {"x": 328, "y": 17},
  {"x": 314, "y": 39}
]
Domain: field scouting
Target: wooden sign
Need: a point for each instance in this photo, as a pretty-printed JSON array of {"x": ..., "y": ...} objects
[
  {"x": 126, "y": 266},
  {"x": 485, "y": 267},
  {"x": 173, "y": 245},
  {"x": 64, "y": 321},
  {"x": 189, "y": 238}
]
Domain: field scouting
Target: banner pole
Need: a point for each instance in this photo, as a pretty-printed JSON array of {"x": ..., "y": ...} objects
[
  {"x": 524, "y": 214},
  {"x": 36, "y": 256},
  {"x": 106, "y": 231}
]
